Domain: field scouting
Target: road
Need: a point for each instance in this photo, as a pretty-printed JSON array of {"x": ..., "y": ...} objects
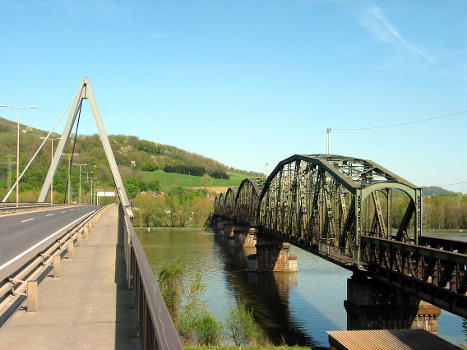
[{"x": 21, "y": 233}]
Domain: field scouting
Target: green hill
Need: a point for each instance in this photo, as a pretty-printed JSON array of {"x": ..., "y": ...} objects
[
  {"x": 436, "y": 190},
  {"x": 146, "y": 165}
]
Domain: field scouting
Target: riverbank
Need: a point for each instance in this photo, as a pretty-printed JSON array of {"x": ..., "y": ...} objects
[
  {"x": 433, "y": 231},
  {"x": 444, "y": 230}
]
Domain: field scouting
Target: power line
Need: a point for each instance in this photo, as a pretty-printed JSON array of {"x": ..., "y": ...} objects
[
  {"x": 454, "y": 183},
  {"x": 312, "y": 141},
  {"x": 402, "y": 124}
]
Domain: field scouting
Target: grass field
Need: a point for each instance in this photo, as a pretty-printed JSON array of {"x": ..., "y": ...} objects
[{"x": 171, "y": 180}]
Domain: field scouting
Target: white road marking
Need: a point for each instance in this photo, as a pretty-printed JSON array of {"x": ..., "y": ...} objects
[
  {"x": 39, "y": 243},
  {"x": 63, "y": 212},
  {"x": 27, "y": 220},
  {"x": 50, "y": 214}
]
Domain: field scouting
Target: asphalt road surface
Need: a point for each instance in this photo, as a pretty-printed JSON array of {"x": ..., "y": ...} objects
[{"x": 19, "y": 233}]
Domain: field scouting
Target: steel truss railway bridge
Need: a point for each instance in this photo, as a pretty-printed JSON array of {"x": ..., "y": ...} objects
[{"x": 340, "y": 208}]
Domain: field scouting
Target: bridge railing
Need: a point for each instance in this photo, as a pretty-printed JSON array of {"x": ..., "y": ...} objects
[
  {"x": 156, "y": 327},
  {"x": 435, "y": 275}
]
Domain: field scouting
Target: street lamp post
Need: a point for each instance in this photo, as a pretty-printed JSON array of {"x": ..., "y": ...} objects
[
  {"x": 69, "y": 174},
  {"x": 52, "y": 162},
  {"x": 17, "y": 147},
  {"x": 92, "y": 195},
  {"x": 80, "y": 165},
  {"x": 87, "y": 179},
  {"x": 94, "y": 192}
]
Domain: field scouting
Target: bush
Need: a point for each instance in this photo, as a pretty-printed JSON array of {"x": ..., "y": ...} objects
[
  {"x": 170, "y": 284},
  {"x": 187, "y": 323},
  {"x": 149, "y": 165},
  {"x": 240, "y": 324},
  {"x": 207, "y": 329}
]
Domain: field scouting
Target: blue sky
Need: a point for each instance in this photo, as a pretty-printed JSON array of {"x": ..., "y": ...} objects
[{"x": 252, "y": 82}]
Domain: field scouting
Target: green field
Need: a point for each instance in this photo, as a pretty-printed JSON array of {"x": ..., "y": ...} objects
[{"x": 171, "y": 180}]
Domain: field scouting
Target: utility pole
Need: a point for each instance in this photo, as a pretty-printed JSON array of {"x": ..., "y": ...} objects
[
  {"x": 80, "y": 165},
  {"x": 69, "y": 174},
  {"x": 328, "y": 131}
]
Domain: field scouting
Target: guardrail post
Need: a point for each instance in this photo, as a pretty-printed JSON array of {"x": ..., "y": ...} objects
[
  {"x": 56, "y": 266},
  {"x": 32, "y": 296},
  {"x": 79, "y": 239},
  {"x": 70, "y": 250},
  {"x": 85, "y": 232}
]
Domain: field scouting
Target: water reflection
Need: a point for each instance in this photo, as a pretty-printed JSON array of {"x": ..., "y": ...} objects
[
  {"x": 267, "y": 293},
  {"x": 297, "y": 308}
]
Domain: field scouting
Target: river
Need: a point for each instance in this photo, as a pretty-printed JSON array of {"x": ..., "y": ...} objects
[{"x": 296, "y": 308}]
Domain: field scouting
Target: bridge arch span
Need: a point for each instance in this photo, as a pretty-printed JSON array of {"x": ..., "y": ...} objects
[
  {"x": 247, "y": 200},
  {"x": 333, "y": 200},
  {"x": 229, "y": 202},
  {"x": 220, "y": 204}
]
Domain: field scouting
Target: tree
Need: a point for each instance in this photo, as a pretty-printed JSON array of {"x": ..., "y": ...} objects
[
  {"x": 179, "y": 207},
  {"x": 132, "y": 186},
  {"x": 201, "y": 206}
]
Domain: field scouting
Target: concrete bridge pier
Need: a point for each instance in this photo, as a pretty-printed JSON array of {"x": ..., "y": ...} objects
[
  {"x": 243, "y": 237},
  {"x": 371, "y": 305},
  {"x": 228, "y": 231},
  {"x": 272, "y": 255},
  {"x": 219, "y": 226}
]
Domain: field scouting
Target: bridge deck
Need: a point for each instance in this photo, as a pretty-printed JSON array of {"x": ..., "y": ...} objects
[{"x": 90, "y": 307}]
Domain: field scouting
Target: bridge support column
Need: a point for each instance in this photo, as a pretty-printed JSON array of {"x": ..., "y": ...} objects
[
  {"x": 218, "y": 225},
  {"x": 272, "y": 255},
  {"x": 244, "y": 237},
  {"x": 372, "y": 305},
  {"x": 228, "y": 231}
]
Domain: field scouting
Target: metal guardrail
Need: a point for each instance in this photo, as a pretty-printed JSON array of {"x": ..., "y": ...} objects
[
  {"x": 10, "y": 208},
  {"x": 437, "y": 276},
  {"x": 14, "y": 279},
  {"x": 156, "y": 326},
  {"x": 445, "y": 244}
]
